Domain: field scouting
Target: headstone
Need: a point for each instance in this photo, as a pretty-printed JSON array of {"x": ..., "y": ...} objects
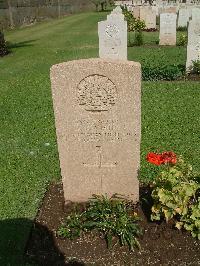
[
  {"x": 167, "y": 29},
  {"x": 196, "y": 14},
  {"x": 150, "y": 19},
  {"x": 170, "y": 10},
  {"x": 136, "y": 12},
  {"x": 156, "y": 9},
  {"x": 193, "y": 47},
  {"x": 113, "y": 36},
  {"x": 183, "y": 17},
  {"x": 97, "y": 115}
]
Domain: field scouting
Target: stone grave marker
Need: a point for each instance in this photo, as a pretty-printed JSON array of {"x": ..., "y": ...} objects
[
  {"x": 167, "y": 29},
  {"x": 196, "y": 14},
  {"x": 193, "y": 47},
  {"x": 97, "y": 116},
  {"x": 149, "y": 17},
  {"x": 136, "y": 12},
  {"x": 183, "y": 17},
  {"x": 113, "y": 36}
]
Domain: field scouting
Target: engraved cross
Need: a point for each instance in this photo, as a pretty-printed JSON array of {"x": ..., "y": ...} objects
[{"x": 99, "y": 162}]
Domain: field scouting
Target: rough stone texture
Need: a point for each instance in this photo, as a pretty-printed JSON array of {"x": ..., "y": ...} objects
[
  {"x": 193, "y": 32},
  {"x": 149, "y": 17},
  {"x": 196, "y": 14},
  {"x": 113, "y": 36},
  {"x": 170, "y": 10},
  {"x": 136, "y": 12},
  {"x": 97, "y": 115},
  {"x": 167, "y": 29},
  {"x": 183, "y": 17},
  {"x": 193, "y": 47}
]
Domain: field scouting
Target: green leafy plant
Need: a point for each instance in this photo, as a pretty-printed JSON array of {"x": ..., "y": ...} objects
[
  {"x": 139, "y": 26},
  {"x": 195, "y": 68},
  {"x": 182, "y": 28},
  {"x": 176, "y": 195},
  {"x": 159, "y": 71},
  {"x": 182, "y": 40},
  {"x": 134, "y": 25},
  {"x": 114, "y": 217}
]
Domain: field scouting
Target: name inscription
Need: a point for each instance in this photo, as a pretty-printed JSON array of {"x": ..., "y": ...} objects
[{"x": 88, "y": 130}]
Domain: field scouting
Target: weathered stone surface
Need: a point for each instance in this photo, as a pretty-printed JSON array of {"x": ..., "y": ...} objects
[
  {"x": 196, "y": 14},
  {"x": 183, "y": 17},
  {"x": 149, "y": 17},
  {"x": 113, "y": 36},
  {"x": 193, "y": 47},
  {"x": 136, "y": 12},
  {"x": 167, "y": 29},
  {"x": 97, "y": 114}
]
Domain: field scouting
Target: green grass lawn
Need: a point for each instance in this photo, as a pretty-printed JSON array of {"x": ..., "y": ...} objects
[{"x": 29, "y": 157}]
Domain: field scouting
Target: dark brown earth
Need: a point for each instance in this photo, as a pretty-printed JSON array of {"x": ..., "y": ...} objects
[{"x": 161, "y": 244}]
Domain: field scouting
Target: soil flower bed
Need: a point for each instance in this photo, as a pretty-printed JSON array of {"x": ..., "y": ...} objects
[{"x": 161, "y": 243}]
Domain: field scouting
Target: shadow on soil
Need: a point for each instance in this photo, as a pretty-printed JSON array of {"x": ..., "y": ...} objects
[{"x": 13, "y": 245}]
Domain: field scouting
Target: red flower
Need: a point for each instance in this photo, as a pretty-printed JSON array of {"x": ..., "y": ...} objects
[
  {"x": 169, "y": 157},
  {"x": 154, "y": 158},
  {"x": 162, "y": 158}
]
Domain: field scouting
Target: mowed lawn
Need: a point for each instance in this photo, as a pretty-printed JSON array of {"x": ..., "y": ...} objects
[{"x": 29, "y": 157}]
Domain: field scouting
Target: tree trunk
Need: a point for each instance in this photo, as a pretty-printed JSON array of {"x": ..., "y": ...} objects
[
  {"x": 10, "y": 14},
  {"x": 3, "y": 48},
  {"x": 58, "y": 8}
]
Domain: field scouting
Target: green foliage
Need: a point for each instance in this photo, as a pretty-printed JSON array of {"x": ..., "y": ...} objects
[
  {"x": 175, "y": 195},
  {"x": 134, "y": 25},
  {"x": 182, "y": 40},
  {"x": 138, "y": 38},
  {"x": 102, "y": 4},
  {"x": 182, "y": 28},
  {"x": 162, "y": 71},
  {"x": 195, "y": 69},
  {"x": 129, "y": 18},
  {"x": 113, "y": 217},
  {"x": 139, "y": 25}
]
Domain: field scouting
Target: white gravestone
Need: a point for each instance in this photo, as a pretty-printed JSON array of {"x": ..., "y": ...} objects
[
  {"x": 113, "y": 36},
  {"x": 183, "y": 17},
  {"x": 196, "y": 14},
  {"x": 193, "y": 47},
  {"x": 167, "y": 29}
]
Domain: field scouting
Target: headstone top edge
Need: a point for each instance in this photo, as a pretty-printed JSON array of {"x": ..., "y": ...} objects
[{"x": 95, "y": 60}]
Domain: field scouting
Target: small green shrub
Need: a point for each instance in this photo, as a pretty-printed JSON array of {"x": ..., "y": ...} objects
[
  {"x": 136, "y": 26},
  {"x": 138, "y": 38},
  {"x": 195, "y": 69},
  {"x": 161, "y": 71},
  {"x": 176, "y": 195},
  {"x": 113, "y": 217},
  {"x": 182, "y": 28},
  {"x": 182, "y": 40}
]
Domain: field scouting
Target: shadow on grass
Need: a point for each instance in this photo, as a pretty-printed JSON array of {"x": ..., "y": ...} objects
[
  {"x": 16, "y": 250},
  {"x": 11, "y": 45}
]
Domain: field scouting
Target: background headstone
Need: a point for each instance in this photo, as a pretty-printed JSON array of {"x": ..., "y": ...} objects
[
  {"x": 97, "y": 114},
  {"x": 196, "y": 14},
  {"x": 113, "y": 36},
  {"x": 193, "y": 47},
  {"x": 167, "y": 29},
  {"x": 183, "y": 17},
  {"x": 136, "y": 12}
]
